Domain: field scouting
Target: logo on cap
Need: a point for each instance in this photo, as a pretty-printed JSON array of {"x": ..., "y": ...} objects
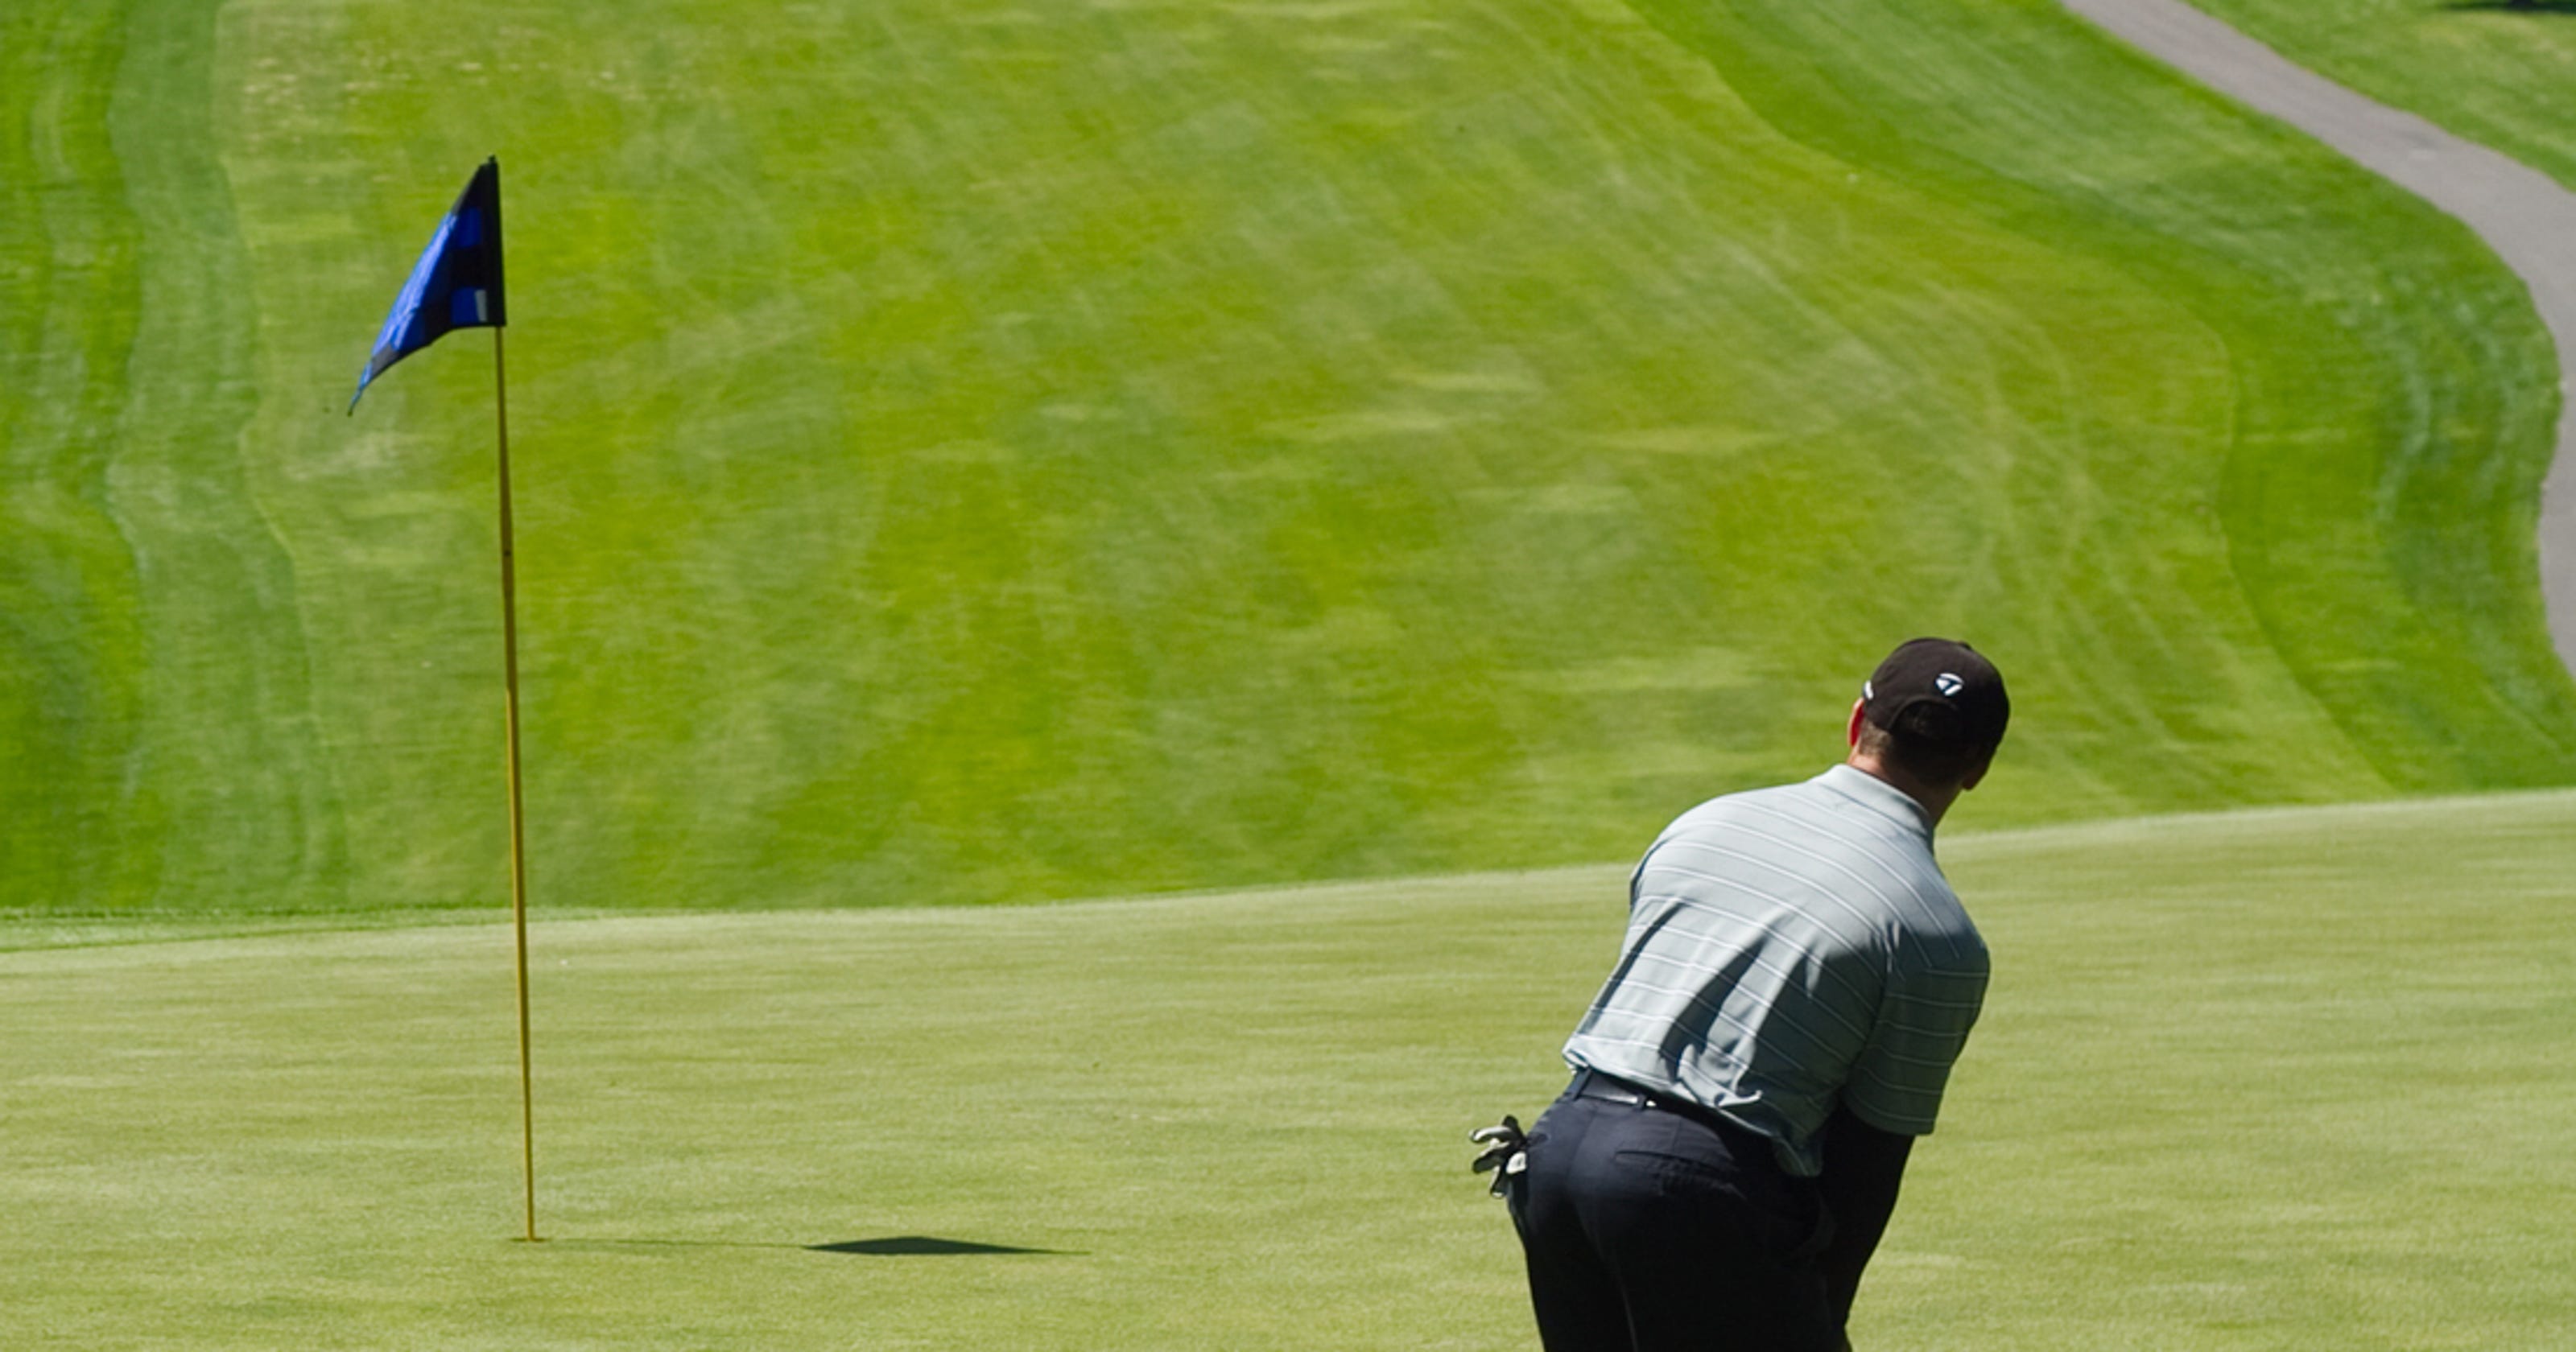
[{"x": 1948, "y": 684}]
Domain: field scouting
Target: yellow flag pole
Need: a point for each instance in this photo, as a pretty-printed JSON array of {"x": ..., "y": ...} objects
[{"x": 518, "y": 833}]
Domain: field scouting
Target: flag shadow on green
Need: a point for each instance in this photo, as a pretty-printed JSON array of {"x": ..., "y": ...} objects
[
  {"x": 889, "y": 1246},
  {"x": 920, "y": 1246}
]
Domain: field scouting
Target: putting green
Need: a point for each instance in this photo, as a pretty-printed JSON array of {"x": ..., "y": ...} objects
[
  {"x": 2281, "y": 1079},
  {"x": 981, "y": 451}
]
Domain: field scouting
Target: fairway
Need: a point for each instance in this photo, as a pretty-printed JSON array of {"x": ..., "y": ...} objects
[
  {"x": 1306, "y": 485},
  {"x": 2277, "y": 1080},
  {"x": 984, "y": 452}
]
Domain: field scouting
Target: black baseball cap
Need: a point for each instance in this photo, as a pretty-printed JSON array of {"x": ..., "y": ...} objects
[{"x": 1940, "y": 691}]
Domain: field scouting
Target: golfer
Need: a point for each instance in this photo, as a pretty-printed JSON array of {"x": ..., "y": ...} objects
[{"x": 1796, "y": 982}]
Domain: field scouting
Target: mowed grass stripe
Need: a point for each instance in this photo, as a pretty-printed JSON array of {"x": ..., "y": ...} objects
[
  {"x": 984, "y": 452},
  {"x": 73, "y": 651},
  {"x": 2263, "y": 1080},
  {"x": 159, "y": 687}
]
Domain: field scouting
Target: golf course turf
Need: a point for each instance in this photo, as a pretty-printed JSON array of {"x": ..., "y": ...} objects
[
  {"x": 979, "y": 453},
  {"x": 2276, "y": 1080},
  {"x": 2483, "y": 69},
  {"x": 1290, "y": 465}
]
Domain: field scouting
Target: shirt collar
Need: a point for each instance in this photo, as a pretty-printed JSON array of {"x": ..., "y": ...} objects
[{"x": 1878, "y": 796}]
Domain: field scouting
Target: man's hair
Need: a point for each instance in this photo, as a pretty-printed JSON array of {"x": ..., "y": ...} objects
[{"x": 1927, "y": 752}]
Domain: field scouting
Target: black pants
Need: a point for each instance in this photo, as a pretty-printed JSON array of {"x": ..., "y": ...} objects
[{"x": 1648, "y": 1230}]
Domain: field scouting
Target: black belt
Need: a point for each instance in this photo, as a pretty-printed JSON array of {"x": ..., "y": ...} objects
[{"x": 1592, "y": 1084}]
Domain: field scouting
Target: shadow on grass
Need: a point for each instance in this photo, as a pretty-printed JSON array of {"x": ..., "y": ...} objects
[
  {"x": 892, "y": 1246},
  {"x": 2565, "y": 7},
  {"x": 918, "y": 1246}
]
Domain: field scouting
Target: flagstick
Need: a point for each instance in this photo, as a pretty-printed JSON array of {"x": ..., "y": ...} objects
[{"x": 518, "y": 837}]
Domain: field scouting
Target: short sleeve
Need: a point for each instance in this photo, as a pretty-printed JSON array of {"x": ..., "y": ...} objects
[{"x": 1923, "y": 1022}]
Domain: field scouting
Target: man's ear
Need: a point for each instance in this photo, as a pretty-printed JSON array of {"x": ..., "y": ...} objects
[
  {"x": 1970, "y": 780},
  {"x": 1851, "y": 730}
]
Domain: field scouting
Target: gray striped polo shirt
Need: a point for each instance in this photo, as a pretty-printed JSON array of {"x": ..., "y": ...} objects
[{"x": 1789, "y": 949}]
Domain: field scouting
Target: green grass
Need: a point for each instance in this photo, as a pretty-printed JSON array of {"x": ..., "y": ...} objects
[
  {"x": 975, "y": 451},
  {"x": 2480, "y": 68},
  {"x": 2273, "y": 1080}
]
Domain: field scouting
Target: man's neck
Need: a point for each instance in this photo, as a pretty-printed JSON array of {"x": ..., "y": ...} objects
[{"x": 1935, "y": 800}]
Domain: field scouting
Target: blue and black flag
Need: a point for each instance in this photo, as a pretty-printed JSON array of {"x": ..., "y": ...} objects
[{"x": 456, "y": 284}]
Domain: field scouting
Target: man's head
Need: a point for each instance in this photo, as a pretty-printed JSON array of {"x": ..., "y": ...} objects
[{"x": 1934, "y": 712}]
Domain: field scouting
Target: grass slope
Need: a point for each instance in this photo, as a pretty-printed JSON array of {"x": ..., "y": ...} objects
[
  {"x": 974, "y": 451},
  {"x": 2483, "y": 69},
  {"x": 2269, "y": 1080}
]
